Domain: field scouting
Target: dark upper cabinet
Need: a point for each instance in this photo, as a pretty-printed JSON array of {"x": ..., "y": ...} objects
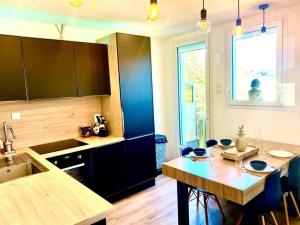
[
  {"x": 50, "y": 68},
  {"x": 92, "y": 69},
  {"x": 134, "y": 54},
  {"x": 12, "y": 82},
  {"x": 140, "y": 160},
  {"x": 108, "y": 164}
]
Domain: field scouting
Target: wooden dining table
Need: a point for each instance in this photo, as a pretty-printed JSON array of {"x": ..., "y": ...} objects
[{"x": 221, "y": 177}]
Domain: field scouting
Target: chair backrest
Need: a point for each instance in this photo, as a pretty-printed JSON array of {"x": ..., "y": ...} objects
[
  {"x": 185, "y": 150},
  {"x": 272, "y": 193},
  {"x": 211, "y": 143},
  {"x": 294, "y": 174}
]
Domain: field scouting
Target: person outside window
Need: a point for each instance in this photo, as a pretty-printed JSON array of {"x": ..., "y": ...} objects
[{"x": 254, "y": 93}]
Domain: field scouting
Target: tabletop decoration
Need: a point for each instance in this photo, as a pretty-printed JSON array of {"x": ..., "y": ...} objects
[{"x": 240, "y": 142}]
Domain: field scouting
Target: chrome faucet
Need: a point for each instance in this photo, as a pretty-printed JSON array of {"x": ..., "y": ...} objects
[{"x": 8, "y": 144}]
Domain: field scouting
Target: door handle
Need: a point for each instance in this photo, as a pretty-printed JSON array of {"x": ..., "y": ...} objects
[
  {"x": 123, "y": 122},
  {"x": 73, "y": 167}
]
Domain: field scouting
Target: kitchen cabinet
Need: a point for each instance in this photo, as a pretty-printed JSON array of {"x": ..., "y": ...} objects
[
  {"x": 12, "y": 81},
  {"x": 109, "y": 170},
  {"x": 140, "y": 160},
  {"x": 33, "y": 68},
  {"x": 135, "y": 74},
  {"x": 134, "y": 58},
  {"x": 50, "y": 68},
  {"x": 92, "y": 69}
]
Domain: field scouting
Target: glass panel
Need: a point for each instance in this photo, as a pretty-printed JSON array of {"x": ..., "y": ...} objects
[
  {"x": 192, "y": 94},
  {"x": 254, "y": 75}
]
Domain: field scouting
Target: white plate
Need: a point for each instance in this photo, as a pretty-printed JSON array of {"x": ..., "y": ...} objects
[
  {"x": 192, "y": 154},
  {"x": 268, "y": 169},
  {"x": 281, "y": 154}
]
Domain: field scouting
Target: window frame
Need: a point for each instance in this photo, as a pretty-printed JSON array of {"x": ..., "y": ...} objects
[{"x": 279, "y": 25}]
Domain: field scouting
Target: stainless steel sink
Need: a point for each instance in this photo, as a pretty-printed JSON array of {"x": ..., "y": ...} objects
[{"x": 20, "y": 165}]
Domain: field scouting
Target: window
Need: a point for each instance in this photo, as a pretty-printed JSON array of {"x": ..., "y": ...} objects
[{"x": 255, "y": 74}]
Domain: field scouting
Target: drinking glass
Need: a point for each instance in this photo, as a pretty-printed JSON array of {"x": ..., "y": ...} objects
[{"x": 238, "y": 162}]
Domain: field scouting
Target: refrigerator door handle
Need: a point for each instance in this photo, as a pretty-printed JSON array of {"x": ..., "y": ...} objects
[{"x": 123, "y": 122}]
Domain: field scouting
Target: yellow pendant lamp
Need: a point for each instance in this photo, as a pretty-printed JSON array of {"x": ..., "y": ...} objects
[
  {"x": 238, "y": 30},
  {"x": 76, "y": 3},
  {"x": 153, "y": 11},
  {"x": 204, "y": 25}
]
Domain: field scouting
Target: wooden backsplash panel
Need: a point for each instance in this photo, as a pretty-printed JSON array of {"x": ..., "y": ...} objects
[
  {"x": 45, "y": 121},
  {"x": 111, "y": 105}
]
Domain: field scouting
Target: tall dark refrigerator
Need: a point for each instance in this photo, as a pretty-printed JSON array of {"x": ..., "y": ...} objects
[{"x": 134, "y": 57}]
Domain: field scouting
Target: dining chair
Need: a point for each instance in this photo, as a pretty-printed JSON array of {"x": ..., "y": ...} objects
[
  {"x": 291, "y": 184},
  {"x": 198, "y": 192},
  {"x": 267, "y": 201},
  {"x": 211, "y": 142}
]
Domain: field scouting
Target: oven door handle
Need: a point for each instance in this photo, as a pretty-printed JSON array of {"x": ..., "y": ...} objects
[{"x": 73, "y": 167}]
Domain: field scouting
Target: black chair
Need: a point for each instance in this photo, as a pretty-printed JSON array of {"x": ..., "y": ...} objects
[
  {"x": 267, "y": 201},
  {"x": 291, "y": 183},
  {"x": 198, "y": 192},
  {"x": 211, "y": 143}
]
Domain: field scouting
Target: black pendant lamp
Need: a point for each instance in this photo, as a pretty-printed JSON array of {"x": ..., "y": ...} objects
[
  {"x": 238, "y": 23},
  {"x": 263, "y": 7}
]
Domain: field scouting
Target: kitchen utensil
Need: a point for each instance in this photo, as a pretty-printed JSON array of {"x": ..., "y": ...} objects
[
  {"x": 226, "y": 142},
  {"x": 258, "y": 164}
]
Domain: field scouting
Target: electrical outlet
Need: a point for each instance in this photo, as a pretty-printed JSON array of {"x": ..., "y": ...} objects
[{"x": 16, "y": 116}]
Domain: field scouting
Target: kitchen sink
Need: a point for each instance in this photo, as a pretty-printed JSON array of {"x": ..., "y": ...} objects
[{"x": 19, "y": 165}]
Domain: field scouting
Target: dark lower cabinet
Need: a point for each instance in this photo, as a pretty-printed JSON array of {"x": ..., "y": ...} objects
[
  {"x": 123, "y": 168},
  {"x": 108, "y": 165},
  {"x": 102, "y": 222},
  {"x": 140, "y": 160}
]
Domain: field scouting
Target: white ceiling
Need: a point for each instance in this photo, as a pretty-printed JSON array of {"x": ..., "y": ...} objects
[{"x": 177, "y": 16}]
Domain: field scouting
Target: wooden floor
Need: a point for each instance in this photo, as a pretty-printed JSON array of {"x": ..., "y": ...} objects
[{"x": 158, "y": 206}]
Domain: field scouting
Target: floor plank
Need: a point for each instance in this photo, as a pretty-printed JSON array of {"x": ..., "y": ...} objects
[{"x": 158, "y": 206}]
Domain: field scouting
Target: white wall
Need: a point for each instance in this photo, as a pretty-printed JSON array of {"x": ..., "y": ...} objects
[
  {"x": 277, "y": 124},
  {"x": 165, "y": 94}
]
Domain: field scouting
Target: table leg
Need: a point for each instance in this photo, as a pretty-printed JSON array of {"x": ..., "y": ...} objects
[{"x": 183, "y": 203}]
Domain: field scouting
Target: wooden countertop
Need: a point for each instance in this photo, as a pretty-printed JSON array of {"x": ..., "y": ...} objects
[
  {"x": 92, "y": 142},
  {"x": 222, "y": 178},
  {"x": 53, "y": 197}
]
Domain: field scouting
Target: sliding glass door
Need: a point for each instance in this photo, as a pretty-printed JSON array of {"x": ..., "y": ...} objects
[{"x": 192, "y": 94}]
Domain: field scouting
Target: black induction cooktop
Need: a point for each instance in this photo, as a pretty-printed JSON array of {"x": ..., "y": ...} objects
[{"x": 57, "y": 146}]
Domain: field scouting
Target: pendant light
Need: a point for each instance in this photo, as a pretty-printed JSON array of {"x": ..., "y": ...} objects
[
  {"x": 263, "y": 7},
  {"x": 238, "y": 23},
  {"x": 76, "y": 3},
  {"x": 204, "y": 25},
  {"x": 153, "y": 11}
]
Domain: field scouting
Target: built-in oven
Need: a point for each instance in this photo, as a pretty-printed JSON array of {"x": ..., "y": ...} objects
[{"x": 76, "y": 165}]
